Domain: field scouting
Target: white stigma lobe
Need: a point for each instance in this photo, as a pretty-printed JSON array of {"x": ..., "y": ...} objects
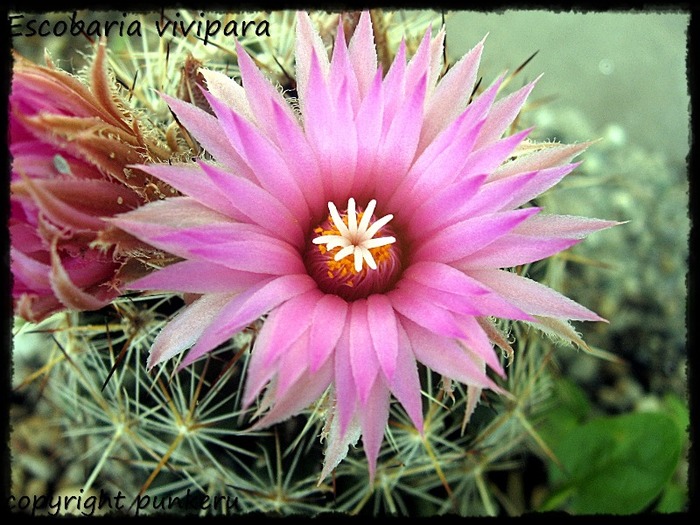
[{"x": 356, "y": 239}]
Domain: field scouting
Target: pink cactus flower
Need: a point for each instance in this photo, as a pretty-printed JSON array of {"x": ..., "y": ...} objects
[{"x": 374, "y": 228}]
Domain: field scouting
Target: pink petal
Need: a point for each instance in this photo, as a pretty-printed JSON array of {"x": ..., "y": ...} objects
[
  {"x": 257, "y": 205},
  {"x": 381, "y": 320},
  {"x": 513, "y": 249},
  {"x": 260, "y": 370},
  {"x": 207, "y": 129},
  {"x": 478, "y": 342},
  {"x": 423, "y": 312},
  {"x": 418, "y": 65},
  {"x": 463, "y": 238},
  {"x": 488, "y": 158},
  {"x": 193, "y": 182},
  {"x": 293, "y": 363},
  {"x": 68, "y": 293},
  {"x": 59, "y": 211},
  {"x": 373, "y": 420},
  {"x": 398, "y": 148},
  {"x": 363, "y": 359},
  {"x": 229, "y": 92},
  {"x": 451, "y": 95},
  {"x": 549, "y": 156},
  {"x": 443, "y": 159},
  {"x": 264, "y": 161},
  {"x": 562, "y": 226},
  {"x": 335, "y": 144},
  {"x": 458, "y": 303},
  {"x": 436, "y": 59},
  {"x": 445, "y": 278},
  {"x": 405, "y": 384},
  {"x": 395, "y": 83},
  {"x": 246, "y": 308},
  {"x": 346, "y": 392},
  {"x": 492, "y": 304},
  {"x": 270, "y": 257},
  {"x": 369, "y": 129},
  {"x": 444, "y": 204},
  {"x": 363, "y": 54},
  {"x": 304, "y": 392},
  {"x": 495, "y": 196},
  {"x": 293, "y": 319},
  {"x": 329, "y": 318},
  {"x": 29, "y": 271},
  {"x": 532, "y": 297},
  {"x": 503, "y": 114},
  {"x": 341, "y": 71},
  {"x": 182, "y": 331},
  {"x": 179, "y": 224},
  {"x": 196, "y": 277},
  {"x": 308, "y": 43},
  {"x": 445, "y": 357},
  {"x": 305, "y": 167},
  {"x": 281, "y": 346},
  {"x": 261, "y": 95},
  {"x": 545, "y": 179}
]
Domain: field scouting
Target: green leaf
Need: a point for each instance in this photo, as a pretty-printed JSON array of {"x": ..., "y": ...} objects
[
  {"x": 616, "y": 465},
  {"x": 677, "y": 408},
  {"x": 571, "y": 409},
  {"x": 674, "y": 499}
]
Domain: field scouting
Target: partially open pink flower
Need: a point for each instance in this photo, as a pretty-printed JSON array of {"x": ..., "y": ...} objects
[
  {"x": 373, "y": 229},
  {"x": 70, "y": 145}
]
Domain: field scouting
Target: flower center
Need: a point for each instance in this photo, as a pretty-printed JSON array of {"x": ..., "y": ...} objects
[{"x": 354, "y": 254}]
